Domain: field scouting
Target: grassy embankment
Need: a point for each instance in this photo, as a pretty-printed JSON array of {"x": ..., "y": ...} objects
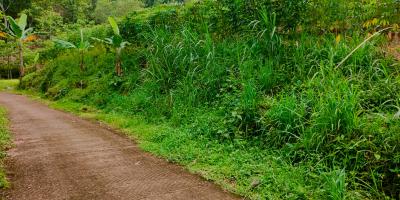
[
  {"x": 4, "y": 144},
  {"x": 5, "y": 139},
  {"x": 212, "y": 159},
  {"x": 268, "y": 114}
]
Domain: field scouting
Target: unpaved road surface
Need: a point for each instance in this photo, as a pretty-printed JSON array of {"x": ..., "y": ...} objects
[{"x": 59, "y": 156}]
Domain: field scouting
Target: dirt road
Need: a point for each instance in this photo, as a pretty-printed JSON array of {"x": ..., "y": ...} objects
[{"x": 60, "y": 156}]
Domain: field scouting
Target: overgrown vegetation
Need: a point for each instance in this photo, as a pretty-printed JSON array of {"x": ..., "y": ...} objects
[{"x": 249, "y": 93}]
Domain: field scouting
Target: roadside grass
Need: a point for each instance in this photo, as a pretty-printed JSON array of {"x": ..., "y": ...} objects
[
  {"x": 5, "y": 142},
  {"x": 5, "y": 138},
  {"x": 238, "y": 166},
  {"x": 8, "y": 85}
]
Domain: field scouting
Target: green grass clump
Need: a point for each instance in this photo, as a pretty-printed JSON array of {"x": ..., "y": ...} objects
[
  {"x": 5, "y": 141},
  {"x": 8, "y": 85}
]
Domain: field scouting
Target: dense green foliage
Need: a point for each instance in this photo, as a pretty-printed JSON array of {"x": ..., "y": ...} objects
[
  {"x": 50, "y": 18},
  {"x": 4, "y": 144},
  {"x": 82, "y": 47},
  {"x": 252, "y": 89},
  {"x": 106, "y": 8}
]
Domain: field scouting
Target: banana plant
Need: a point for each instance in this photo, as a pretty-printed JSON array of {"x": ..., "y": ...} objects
[
  {"x": 19, "y": 31},
  {"x": 116, "y": 42},
  {"x": 82, "y": 47}
]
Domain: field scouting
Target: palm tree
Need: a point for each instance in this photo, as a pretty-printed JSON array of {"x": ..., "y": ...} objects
[
  {"x": 19, "y": 31},
  {"x": 82, "y": 47},
  {"x": 118, "y": 43}
]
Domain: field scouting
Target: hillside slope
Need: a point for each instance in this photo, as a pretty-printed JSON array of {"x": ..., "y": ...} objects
[{"x": 250, "y": 96}]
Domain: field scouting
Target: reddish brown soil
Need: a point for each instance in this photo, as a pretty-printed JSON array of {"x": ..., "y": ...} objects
[
  {"x": 393, "y": 48},
  {"x": 60, "y": 156}
]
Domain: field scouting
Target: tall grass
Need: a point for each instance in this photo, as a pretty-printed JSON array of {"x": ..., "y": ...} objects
[
  {"x": 5, "y": 141},
  {"x": 258, "y": 88}
]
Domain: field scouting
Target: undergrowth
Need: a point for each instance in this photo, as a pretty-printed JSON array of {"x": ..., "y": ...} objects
[{"x": 265, "y": 112}]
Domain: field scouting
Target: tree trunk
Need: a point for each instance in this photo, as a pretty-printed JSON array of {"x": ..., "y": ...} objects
[
  {"x": 21, "y": 61},
  {"x": 118, "y": 64}
]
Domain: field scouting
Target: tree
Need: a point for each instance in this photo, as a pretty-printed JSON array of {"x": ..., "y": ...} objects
[
  {"x": 116, "y": 42},
  {"x": 44, "y": 17},
  {"x": 49, "y": 22},
  {"x": 74, "y": 10},
  {"x": 13, "y": 7},
  {"x": 19, "y": 31},
  {"x": 82, "y": 47},
  {"x": 117, "y": 8}
]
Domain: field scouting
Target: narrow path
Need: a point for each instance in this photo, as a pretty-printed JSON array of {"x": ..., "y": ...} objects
[{"x": 60, "y": 156}]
